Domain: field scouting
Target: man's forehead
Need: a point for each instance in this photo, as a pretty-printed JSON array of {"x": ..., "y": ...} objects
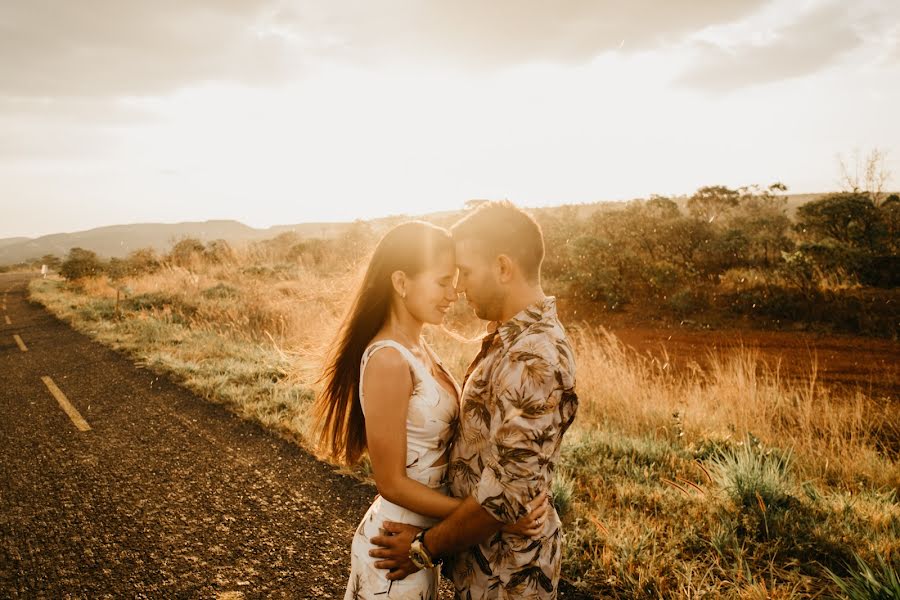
[{"x": 468, "y": 252}]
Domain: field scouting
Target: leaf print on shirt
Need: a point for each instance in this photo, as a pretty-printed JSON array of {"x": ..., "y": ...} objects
[
  {"x": 482, "y": 562},
  {"x": 539, "y": 437},
  {"x": 478, "y": 410},
  {"x": 531, "y": 577},
  {"x": 526, "y": 404},
  {"x": 462, "y": 470},
  {"x": 499, "y": 508},
  {"x": 511, "y": 456}
]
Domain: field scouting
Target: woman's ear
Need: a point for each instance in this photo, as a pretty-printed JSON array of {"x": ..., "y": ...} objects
[{"x": 398, "y": 280}]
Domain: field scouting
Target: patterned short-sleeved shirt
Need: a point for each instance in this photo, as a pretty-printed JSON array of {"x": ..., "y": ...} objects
[{"x": 517, "y": 402}]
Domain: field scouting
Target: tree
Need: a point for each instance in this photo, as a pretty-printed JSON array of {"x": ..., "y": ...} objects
[
  {"x": 849, "y": 218},
  {"x": 117, "y": 269},
  {"x": 52, "y": 261},
  {"x": 80, "y": 263},
  {"x": 762, "y": 218},
  {"x": 890, "y": 216},
  {"x": 868, "y": 175},
  {"x": 561, "y": 226},
  {"x": 712, "y": 203}
]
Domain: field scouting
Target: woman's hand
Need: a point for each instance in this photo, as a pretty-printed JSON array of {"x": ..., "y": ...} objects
[{"x": 531, "y": 524}]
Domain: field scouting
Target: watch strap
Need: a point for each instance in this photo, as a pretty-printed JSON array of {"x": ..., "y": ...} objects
[{"x": 431, "y": 557}]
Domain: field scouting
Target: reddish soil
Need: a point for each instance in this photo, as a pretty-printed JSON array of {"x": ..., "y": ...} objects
[{"x": 846, "y": 361}]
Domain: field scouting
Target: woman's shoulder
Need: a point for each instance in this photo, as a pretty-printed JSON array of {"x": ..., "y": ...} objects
[
  {"x": 385, "y": 368},
  {"x": 386, "y": 356}
]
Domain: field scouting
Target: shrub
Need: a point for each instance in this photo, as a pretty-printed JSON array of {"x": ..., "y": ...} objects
[
  {"x": 220, "y": 291},
  {"x": 143, "y": 261},
  {"x": 754, "y": 479},
  {"x": 687, "y": 301},
  {"x": 181, "y": 310},
  {"x": 80, "y": 263},
  {"x": 186, "y": 251},
  {"x": 662, "y": 277},
  {"x": 149, "y": 301},
  {"x": 774, "y": 301},
  {"x": 219, "y": 252}
]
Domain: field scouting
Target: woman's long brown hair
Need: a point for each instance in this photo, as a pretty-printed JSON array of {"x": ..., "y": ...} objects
[{"x": 339, "y": 422}]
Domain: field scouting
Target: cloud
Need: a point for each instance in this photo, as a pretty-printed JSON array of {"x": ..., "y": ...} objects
[
  {"x": 804, "y": 47},
  {"x": 504, "y": 32},
  {"x": 84, "y": 111},
  {"x": 54, "y": 128},
  {"x": 111, "y": 47}
]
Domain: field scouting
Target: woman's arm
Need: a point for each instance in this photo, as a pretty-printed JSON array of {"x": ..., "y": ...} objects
[{"x": 387, "y": 387}]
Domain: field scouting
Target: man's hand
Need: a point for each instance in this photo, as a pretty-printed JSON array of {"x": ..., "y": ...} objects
[{"x": 394, "y": 550}]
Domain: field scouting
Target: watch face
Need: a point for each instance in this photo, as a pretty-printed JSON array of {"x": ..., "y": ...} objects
[{"x": 418, "y": 555}]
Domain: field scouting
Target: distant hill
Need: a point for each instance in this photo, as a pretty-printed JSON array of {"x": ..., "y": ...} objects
[
  {"x": 119, "y": 240},
  {"x": 10, "y": 241}
]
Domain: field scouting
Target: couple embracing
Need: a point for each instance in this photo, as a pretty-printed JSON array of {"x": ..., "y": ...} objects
[{"x": 463, "y": 470}]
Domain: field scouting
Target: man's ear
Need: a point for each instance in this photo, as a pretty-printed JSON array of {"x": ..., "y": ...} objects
[{"x": 505, "y": 268}]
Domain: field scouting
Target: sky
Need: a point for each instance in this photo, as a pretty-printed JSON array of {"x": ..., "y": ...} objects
[{"x": 288, "y": 111}]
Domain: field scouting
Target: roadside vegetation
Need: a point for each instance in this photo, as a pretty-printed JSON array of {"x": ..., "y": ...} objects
[{"x": 720, "y": 481}]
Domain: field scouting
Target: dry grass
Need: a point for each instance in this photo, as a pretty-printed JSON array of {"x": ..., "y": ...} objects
[{"x": 657, "y": 471}]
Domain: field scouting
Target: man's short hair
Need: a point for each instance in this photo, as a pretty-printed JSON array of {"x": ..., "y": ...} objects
[{"x": 504, "y": 228}]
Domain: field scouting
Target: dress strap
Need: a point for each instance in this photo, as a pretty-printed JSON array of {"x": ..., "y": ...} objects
[
  {"x": 373, "y": 347},
  {"x": 414, "y": 363}
]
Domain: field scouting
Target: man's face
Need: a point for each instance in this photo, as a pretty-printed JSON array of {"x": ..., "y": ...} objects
[{"x": 478, "y": 280}]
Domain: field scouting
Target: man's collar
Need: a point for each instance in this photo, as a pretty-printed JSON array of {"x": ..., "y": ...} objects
[{"x": 510, "y": 330}]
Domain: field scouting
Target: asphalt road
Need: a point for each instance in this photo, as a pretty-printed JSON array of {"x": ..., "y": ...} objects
[{"x": 165, "y": 495}]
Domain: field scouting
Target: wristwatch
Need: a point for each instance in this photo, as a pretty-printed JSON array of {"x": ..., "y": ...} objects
[{"x": 419, "y": 553}]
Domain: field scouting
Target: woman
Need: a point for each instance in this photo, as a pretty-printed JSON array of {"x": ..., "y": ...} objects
[{"x": 380, "y": 380}]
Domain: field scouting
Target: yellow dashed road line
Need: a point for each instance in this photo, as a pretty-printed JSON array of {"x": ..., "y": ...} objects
[
  {"x": 21, "y": 344},
  {"x": 64, "y": 404},
  {"x": 8, "y": 322}
]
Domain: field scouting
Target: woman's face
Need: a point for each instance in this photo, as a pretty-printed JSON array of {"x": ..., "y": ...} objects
[{"x": 430, "y": 293}]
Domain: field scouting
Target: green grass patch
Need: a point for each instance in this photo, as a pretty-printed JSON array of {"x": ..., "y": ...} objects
[{"x": 247, "y": 377}]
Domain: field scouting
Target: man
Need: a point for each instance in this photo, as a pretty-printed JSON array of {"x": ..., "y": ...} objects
[{"x": 518, "y": 400}]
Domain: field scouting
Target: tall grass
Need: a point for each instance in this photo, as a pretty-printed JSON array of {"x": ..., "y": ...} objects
[{"x": 720, "y": 480}]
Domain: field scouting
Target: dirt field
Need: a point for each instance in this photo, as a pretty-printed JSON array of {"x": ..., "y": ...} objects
[{"x": 870, "y": 364}]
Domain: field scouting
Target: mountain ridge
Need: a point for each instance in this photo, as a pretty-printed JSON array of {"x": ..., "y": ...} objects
[{"x": 117, "y": 241}]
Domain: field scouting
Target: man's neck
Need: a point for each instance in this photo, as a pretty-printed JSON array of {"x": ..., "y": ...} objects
[{"x": 519, "y": 300}]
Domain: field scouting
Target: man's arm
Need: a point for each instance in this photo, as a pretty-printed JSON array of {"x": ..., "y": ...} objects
[{"x": 468, "y": 525}]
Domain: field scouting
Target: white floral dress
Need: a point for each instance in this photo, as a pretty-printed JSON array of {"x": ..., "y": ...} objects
[{"x": 431, "y": 421}]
